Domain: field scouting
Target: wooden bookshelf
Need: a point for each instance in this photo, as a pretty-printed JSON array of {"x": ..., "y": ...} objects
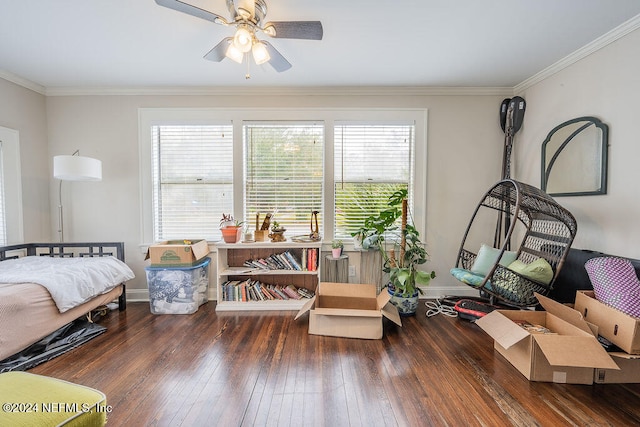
[{"x": 231, "y": 258}]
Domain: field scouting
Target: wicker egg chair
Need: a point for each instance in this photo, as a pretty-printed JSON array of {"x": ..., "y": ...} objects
[{"x": 522, "y": 213}]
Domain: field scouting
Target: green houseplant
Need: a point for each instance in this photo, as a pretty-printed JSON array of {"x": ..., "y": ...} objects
[
  {"x": 336, "y": 248},
  {"x": 401, "y": 249}
]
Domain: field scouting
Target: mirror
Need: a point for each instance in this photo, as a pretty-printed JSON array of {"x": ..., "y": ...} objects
[{"x": 574, "y": 158}]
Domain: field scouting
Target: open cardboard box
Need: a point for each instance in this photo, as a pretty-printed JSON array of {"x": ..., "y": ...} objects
[
  {"x": 349, "y": 310},
  {"x": 619, "y": 328},
  {"x": 629, "y": 371},
  {"x": 570, "y": 354},
  {"x": 177, "y": 253}
]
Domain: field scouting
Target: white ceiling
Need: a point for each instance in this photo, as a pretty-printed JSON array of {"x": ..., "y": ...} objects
[{"x": 430, "y": 43}]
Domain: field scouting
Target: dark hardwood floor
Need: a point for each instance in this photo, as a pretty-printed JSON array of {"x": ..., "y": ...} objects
[{"x": 262, "y": 368}]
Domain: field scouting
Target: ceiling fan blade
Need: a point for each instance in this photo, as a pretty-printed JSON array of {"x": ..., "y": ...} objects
[
  {"x": 218, "y": 52},
  {"x": 310, "y": 30},
  {"x": 277, "y": 61},
  {"x": 192, "y": 10}
]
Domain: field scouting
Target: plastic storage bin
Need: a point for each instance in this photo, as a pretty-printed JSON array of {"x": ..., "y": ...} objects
[{"x": 178, "y": 290}]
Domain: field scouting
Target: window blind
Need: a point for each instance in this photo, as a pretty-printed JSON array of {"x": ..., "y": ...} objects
[
  {"x": 193, "y": 180},
  {"x": 371, "y": 162},
  {"x": 284, "y": 172}
]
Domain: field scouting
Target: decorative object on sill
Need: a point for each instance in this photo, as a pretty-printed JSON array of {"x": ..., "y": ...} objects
[
  {"x": 74, "y": 168},
  {"x": 231, "y": 229},
  {"x": 315, "y": 232},
  {"x": 277, "y": 232},
  {"x": 248, "y": 16},
  {"x": 262, "y": 231}
]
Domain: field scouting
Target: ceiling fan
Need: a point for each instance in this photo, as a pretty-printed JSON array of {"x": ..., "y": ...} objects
[{"x": 248, "y": 18}]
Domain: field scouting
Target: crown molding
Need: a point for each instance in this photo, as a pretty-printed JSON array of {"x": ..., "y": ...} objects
[
  {"x": 20, "y": 81},
  {"x": 602, "y": 41},
  {"x": 280, "y": 91}
]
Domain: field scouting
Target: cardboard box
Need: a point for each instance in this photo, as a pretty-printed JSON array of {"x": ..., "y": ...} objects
[
  {"x": 569, "y": 354},
  {"x": 629, "y": 371},
  {"x": 619, "y": 328},
  {"x": 349, "y": 310},
  {"x": 177, "y": 253}
]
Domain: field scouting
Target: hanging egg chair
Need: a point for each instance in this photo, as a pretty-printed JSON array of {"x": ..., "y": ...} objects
[{"x": 519, "y": 216}]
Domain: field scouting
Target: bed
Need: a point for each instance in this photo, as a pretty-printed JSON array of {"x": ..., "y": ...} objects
[{"x": 28, "y": 311}]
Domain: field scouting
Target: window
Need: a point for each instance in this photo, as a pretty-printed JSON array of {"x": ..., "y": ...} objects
[
  {"x": 197, "y": 164},
  {"x": 372, "y": 161},
  {"x": 284, "y": 172},
  {"x": 193, "y": 172}
]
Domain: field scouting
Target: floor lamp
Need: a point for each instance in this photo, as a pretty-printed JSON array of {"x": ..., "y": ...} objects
[{"x": 74, "y": 168}]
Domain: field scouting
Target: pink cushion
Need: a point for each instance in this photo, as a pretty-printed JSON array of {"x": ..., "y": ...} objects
[{"x": 615, "y": 283}]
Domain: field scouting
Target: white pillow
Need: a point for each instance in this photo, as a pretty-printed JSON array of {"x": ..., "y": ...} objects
[{"x": 487, "y": 257}]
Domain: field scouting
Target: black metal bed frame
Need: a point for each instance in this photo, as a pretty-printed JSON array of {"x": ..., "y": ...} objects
[{"x": 69, "y": 250}]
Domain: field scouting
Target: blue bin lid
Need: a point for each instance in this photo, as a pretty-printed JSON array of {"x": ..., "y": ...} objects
[{"x": 205, "y": 262}]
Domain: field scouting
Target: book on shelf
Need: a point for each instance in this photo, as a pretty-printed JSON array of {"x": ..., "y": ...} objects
[
  {"x": 281, "y": 261},
  {"x": 254, "y": 290},
  {"x": 311, "y": 257}
]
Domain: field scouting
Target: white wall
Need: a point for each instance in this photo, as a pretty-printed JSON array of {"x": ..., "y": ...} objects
[
  {"x": 464, "y": 158},
  {"x": 464, "y": 154},
  {"x": 24, "y": 110},
  {"x": 605, "y": 85}
]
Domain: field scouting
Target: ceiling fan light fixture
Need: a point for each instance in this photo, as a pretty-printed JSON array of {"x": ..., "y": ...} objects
[
  {"x": 234, "y": 54},
  {"x": 260, "y": 53},
  {"x": 243, "y": 40}
]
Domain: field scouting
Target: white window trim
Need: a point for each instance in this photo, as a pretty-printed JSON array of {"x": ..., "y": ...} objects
[
  {"x": 12, "y": 184},
  {"x": 148, "y": 117}
]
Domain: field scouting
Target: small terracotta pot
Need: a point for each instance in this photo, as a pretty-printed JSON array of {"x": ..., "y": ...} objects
[{"x": 231, "y": 234}]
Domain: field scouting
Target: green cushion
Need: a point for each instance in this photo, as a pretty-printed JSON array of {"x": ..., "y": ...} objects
[
  {"x": 539, "y": 270},
  {"x": 35, "y": 400},
  {"x": 487, "y": 257}
]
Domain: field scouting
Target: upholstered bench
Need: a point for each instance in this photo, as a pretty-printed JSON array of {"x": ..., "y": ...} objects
[{"x": 34, "y": 400}]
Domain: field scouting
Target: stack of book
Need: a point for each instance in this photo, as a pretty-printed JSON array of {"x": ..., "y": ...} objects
[
  {"x": 282, "y": 261},
  {"x": 254, "y": 290}
]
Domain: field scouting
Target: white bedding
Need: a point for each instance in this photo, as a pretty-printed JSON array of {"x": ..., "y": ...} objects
[{"x": 70, "y": 281}]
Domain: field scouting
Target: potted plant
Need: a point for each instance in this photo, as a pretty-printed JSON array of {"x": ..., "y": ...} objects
[
  {"x": 336, "y": 248},
  {"x": 402, "y": 252},
  {"x": 230, "y": 228}
]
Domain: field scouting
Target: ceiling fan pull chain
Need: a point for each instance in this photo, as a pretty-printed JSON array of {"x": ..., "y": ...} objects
[{"x": 248, "y": 75}]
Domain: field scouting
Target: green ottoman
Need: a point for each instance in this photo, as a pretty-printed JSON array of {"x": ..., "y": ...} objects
[{"x": 34, "y": 400}]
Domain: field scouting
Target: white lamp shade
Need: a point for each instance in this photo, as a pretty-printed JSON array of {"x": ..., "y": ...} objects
[
  {"x": 260, "y": 53},
  {"x": 243, "y": 40},
  {"x": 77, "y": 168},
  {"x": 234, "y": 54}
]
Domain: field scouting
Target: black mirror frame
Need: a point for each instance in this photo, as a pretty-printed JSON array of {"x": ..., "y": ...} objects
[{"x": 604, "y": 147}]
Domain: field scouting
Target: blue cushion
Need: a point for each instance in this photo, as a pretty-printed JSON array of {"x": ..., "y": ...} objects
[
  {"x": 466, "y": 276},
  {"x": 487, "y": 257}
]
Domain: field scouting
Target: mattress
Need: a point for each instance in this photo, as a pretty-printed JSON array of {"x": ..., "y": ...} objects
[{"x": 28, "y": 314}]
